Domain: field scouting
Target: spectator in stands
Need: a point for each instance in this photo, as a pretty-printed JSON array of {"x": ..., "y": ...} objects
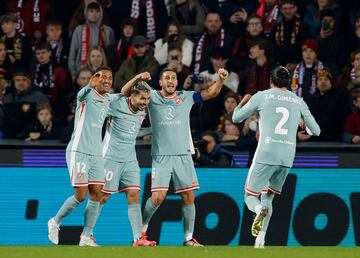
[
  {"x": 350, "y": 73},
  {"x": 329, "y": 107},
  {"x": 3, "y": 85},
  {"x": 287, "y": 35},
  {"x": 213, "y": 36},
  {"x": 258, "y": 74},
  {"x": 32, "y": 17},
  {"x": 5, "y": 72},
  {"x": 352, "y": 125},
  {"x": 352, "y": 41},
  {"x": 142, "y": 60},
  {"x": 329, "y": 42},
  {"x": 312, "y": 16},
  {"x": 59, "y": 47},
  {"x": 174, "y": 62},
  {"x": 206, "y": 116},
  {"x": 189, "y": 15},
  {"x": 269, "y": 13},
  {"x": 78, "y": 17},
  {"x": 231, "y": 100},
  {"x": 240, "y": 49},
  {"x": 303, "y": 82},
  {"x": 174, "y": 38},
  {"x": 209, "y": 153},
  {"x": 20, "y": 105},
  {"x": 234, "y": 14},
  {"x": 231, "y": 131},
  {"x": 17, "y": 47},
  {"x": 45, "y": 127},
  {"x": 124, "y": 48},
  {"x": 96, "y": 58},
  {"x": 92, "y": 33},
  {"x": 52, "y": 80}
]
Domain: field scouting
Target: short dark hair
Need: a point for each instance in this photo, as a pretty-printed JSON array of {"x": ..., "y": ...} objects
[
  {"x": 53, "y": 22},
  {"x": 280, "y": 77},
  {"x": 94, "y": 6},
  {"x": 103, "y": 68},
  {"x": 212, "y": 134},
  {"x": 43, "y": 45},
  {"x": 282, "y": 2},
  {"x": 353, "y": 54},
  {"x": 140, "y": 86},
  {"x": 166, "y": 70},
  {"x": 263, "y": 44},
  {"x": 220, "y": 52}
]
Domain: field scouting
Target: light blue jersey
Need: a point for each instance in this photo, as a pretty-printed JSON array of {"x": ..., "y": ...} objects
[
  {"x": 122, "y": 129},
  {"x": 280, "y": 113},
  {"x": 170, "y": 122},
  {"x": 91, "y": 109}
]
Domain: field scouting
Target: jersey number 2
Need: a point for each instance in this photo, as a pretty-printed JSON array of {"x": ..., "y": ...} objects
[{"x": 283, "y": 120}]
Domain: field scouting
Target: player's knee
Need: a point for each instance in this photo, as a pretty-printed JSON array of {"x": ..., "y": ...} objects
[
  {"x": 80, "y": 196},
  {"x": 157, "y": 200},
  {"x": 104, "y": 198},
  {"x": 133, "y": 197}
]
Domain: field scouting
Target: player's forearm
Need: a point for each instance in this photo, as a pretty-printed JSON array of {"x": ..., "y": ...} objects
[
  {"x": 126, "y": 89},
  {"x": 213, "y": 90}
]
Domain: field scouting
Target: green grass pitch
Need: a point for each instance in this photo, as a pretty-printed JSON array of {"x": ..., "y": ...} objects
[{"x": 178, "y": 252}]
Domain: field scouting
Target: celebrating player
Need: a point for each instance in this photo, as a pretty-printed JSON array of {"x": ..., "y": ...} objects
[
  {"x": 280, "y": 112},
  {"x": 84, "y": 155},
  {"x": 122, "y": 172},
  {"x": 172, "y": 146}
]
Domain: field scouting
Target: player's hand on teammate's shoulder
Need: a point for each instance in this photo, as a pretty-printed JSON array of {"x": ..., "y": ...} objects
[
  {"x": 223, "y": 73},
  {"x": 303, "y": 136},
  {"x": 145, "y": 76},
  {"x": 245, "y": 99}
]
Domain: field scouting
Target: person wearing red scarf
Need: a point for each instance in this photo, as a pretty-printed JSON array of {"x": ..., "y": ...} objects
[{"x": 92, "y": 33}]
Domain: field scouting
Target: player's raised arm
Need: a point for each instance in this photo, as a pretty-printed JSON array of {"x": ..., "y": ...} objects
[
  {"x": 126, "y": 89},
  {"x": 312, "y": 128},
  {"x": 215, "y": 89},
  {"x": 246, "y": 108}
]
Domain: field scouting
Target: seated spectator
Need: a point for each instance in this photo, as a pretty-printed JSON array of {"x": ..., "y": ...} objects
[
  {"x": 231, "y": 100},
  {"x": 174, "y": 62},
  {"x": 59, "y": 47},
  {"x": 18, "y": 49},
  {"x": 329, "y": 42},
  {"x": 350, "y": 73},
  {"x": 189, "y": 15},
  {"x": 209, "y": 152},
  {"x": 240, "y": 50},
  {"x": 231, "y": 130},
  {"x": 312, "y": 16},
  {"x": 124, "y": 48},
  {"x": 45, "y": 127},
  {"x": 269, "y": 13},
  {"x": 4, "y": 64},
  {"x": 174, "y": 38},
  {"x": 287, "y": 35},
  {"x": 92, "y": 33},
  {"x": 352, "y": 125},
  {"x": 142, "y": 60},
  {"x": 20, "y": 105},
  {"x": 329, "y": 107},
  {"x": 96, "y": 58},
  {"x": 303, "y": 82},
  {"x": 52, "y": 80},
  {"x": 213, "y": 36},
  {"x": 258, "y": 74}
]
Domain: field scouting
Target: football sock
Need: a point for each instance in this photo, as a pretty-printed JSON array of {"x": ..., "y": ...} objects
[
  {"x": 253, "y": 203},
  {"x": 68, "y": 207},
  {"x": 91, "y": 215},
  {"x": 149, "y": 211},
  {"x": 134, "y": 214},
  {"x": 266, "y": 200},
  {"x": 189, "y": 220}
]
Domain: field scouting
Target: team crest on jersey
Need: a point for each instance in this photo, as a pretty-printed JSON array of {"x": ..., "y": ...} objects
[
  {"x": 124, "y": 118},
  {"x": 141, "y": 118},
  {"x": 80, "y": 176},
  {"x": 179, "y": 100}
]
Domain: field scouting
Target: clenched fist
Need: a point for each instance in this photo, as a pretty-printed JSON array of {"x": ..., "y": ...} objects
[{"x": 223, "y": 74}]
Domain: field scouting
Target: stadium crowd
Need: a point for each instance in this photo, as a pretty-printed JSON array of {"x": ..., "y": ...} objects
[{"x": 50, "y": 49}]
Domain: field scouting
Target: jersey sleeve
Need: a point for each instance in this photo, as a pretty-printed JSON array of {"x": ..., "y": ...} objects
[
  {"x": 114, "y": 104},
  {"x": 197, "y": 97},
  {"x": 312, "y": 128},
  {"x": 243, "y": 112},
  {"x": 84, "y": 93}
]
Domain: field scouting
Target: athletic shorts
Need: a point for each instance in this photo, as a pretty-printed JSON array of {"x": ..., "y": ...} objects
[
  {"x": 263, "y": 177},
  {"x": 121, "y": 176},
  {"x": 180, "y": 168},
  {"x": 85, "y": 169}
]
